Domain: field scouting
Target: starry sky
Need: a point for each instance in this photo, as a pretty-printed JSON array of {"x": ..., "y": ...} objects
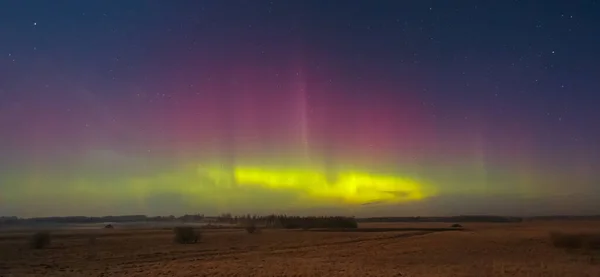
[{"x": 366, "y": 108}]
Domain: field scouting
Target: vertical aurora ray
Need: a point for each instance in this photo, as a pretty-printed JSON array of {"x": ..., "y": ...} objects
[{"x": 303, "y": 118}]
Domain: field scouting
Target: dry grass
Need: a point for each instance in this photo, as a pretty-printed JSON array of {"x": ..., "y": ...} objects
[{"x": 404, "y": 249}]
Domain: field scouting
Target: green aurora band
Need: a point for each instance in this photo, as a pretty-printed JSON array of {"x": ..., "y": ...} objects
[{"x": 169, "y": 186}]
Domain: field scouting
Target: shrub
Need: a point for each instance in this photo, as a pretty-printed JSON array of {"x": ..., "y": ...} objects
[
  {"x": 575, "y": 240},
  {"x": 593, "y": 241},
  {"x": 562, "y": 240},
  {"x": 456, "y": 225},
  {"x": 40, "y": 240},
  {"x": 185, "y": 235},
  {"x": 249, "y": 224},
  {"x": 250, "y": 227}
]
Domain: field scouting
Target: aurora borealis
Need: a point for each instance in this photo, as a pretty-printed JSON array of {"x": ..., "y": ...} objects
[{"x": 383, "y": 108}]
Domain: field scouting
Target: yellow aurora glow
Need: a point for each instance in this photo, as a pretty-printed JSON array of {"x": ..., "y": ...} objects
[
  {"x": 213, "y": 188},
  {"x": 352, "y": 187}
]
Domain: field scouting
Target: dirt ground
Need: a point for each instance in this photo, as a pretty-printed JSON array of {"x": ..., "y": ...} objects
[{"x": 519, "y": 249}]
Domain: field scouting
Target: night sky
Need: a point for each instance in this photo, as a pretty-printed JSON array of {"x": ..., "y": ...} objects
[{"x": 364, "y": 108}]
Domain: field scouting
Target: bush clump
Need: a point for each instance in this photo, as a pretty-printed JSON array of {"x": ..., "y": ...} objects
[
  {"x": 250, "y": 227},
  {"x": 456, "y": 225},
  {"x": 186, "y": 235},
  {"x": 40, "y": 240},
  {"x": 575, "y": 240}
]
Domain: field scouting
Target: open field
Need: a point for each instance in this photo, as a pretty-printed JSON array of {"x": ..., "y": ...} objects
[{"x": 398, "y": 249}]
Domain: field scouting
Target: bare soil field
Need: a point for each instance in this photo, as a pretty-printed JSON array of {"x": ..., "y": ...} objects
[{"x": 397, "y": 249}]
